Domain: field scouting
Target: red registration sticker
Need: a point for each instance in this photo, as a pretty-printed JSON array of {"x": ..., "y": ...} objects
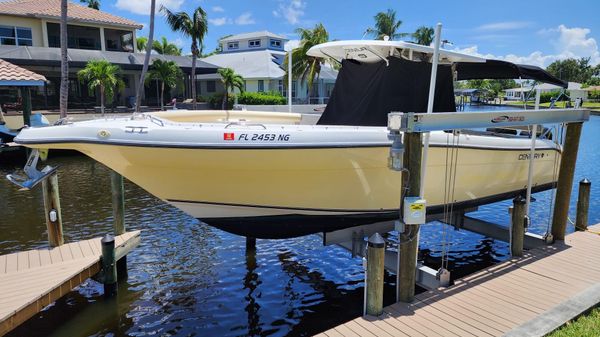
[{"x": 229, "y": 136}]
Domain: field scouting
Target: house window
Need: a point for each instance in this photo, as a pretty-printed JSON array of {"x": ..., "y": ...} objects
[
  {"x": 233, "y": 45},
  {"x": 261, "y": 86},
  {"x": 280, "y": 87},
  {"x": 15, "y": 36},
  {"x": 79, "y": 37},
  {"x": 254, "y": 43},
  {"x": 210, "y": 86},
  {"x": 276, "y": 43}
]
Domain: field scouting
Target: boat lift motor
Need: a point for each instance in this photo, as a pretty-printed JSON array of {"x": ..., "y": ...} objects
[{"x": 395, "y": 160}]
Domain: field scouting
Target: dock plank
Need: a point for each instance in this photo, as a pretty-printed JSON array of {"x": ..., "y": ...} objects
[
  {"x": 31, "y": 280},
  {"x": 498, "y": 299}
]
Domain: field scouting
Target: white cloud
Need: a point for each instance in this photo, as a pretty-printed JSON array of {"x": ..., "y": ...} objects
[
  {"x": 142, "y": 7},
  {"x": 292, "y": 11},
  {"x": 506, "y": 25},
  {"x": 218, "y": 9},
  {"x": 245, "y": 19},
  {"x": 291, "y": 44},
  {"x": 219, "y": 21},
  {"x": 567, "y": 42},
  {"x": 178, "y": 42}
]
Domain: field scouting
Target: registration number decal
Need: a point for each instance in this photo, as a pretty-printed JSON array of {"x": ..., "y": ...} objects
[{"x": 264, "y": 137}]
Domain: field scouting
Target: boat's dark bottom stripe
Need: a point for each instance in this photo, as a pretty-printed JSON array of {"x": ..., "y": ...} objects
[{"x": 292, "y": 225}]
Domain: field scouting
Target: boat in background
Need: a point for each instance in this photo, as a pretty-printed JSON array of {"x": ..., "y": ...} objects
[{"x": 274, "y": 175}]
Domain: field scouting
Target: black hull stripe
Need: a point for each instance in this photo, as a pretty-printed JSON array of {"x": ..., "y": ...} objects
[
  {"x": 292, "y": 225},
  {"x": 264, "y": 147},
  {"x": 434, "y": 208}
]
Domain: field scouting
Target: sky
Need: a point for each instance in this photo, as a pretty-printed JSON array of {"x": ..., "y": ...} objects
[{"x": 530, "y": 32}]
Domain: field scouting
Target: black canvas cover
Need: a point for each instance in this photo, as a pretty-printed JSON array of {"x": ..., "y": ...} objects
[
  {"x": 365, "y": 93},
  {"x": 496, "y": 69}
]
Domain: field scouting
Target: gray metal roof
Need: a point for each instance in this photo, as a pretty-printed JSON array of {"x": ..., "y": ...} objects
[
  {"x": 24, "y": 55},
  {"x": 252, "y": 35}
]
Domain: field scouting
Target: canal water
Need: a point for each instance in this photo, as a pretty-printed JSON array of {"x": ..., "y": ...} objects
[{"x": 189, "y": 279}]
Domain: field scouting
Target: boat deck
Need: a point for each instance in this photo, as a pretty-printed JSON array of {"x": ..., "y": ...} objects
[
  {"x": 527, "y": 296},
  {"x": 31, "y": 280}
]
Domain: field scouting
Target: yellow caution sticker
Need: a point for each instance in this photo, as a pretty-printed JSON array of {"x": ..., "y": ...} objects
[{"x": 417, "y": 207}]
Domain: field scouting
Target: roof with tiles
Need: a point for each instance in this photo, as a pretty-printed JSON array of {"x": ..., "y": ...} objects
[
  {"x": 51, "y": 9},
  {"x": 12, "y": 73}
]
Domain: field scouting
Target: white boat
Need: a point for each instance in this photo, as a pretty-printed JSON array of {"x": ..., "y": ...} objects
[{"x": 273, "y": 175}]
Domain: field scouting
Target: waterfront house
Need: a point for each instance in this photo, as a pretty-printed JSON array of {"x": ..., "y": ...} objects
[
  {"x": 258, "y": 57},
  {"x": 30, "y": 38},
  {"x": 574, "y": 90}
]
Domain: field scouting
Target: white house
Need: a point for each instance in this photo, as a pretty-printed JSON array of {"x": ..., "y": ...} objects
[
  {"x": 574, "y": 91},
  {"x": 258, "y": 58}
]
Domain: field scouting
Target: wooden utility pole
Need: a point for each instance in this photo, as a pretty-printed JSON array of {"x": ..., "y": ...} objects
[
  {"x": 565, "y": 180},
  {"x": 409, "y": 239}
]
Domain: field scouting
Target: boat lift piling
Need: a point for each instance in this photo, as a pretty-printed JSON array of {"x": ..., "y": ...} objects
[
  {"x": 52, "y": 210},
  {"x": 565, "y": 180},
  {"x": 118, "y": 207}
]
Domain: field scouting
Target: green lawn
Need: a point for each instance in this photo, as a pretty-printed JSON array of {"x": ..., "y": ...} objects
[{"x": 584, "y": 326}]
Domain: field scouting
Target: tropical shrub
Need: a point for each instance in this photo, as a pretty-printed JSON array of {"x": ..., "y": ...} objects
[{"x": 261, "y": 98}]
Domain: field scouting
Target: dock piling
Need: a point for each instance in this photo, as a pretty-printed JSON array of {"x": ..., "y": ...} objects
[
  {"x": 565, "y": 180},
  {"x": 408, "y": 243},
  {"x": 250, "y": 244},
  {"x": 375, "y": 267},
  {"x": 52, "y": 210},
  {"x": 517, "y": 228},
  {"x": 583, "y": 205},
  {"x": 118, "y": 207},
  {"x": 109, "y": 266}
]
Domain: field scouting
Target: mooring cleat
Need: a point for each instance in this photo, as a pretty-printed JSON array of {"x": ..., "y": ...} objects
[{"x": 33, "y": 175}]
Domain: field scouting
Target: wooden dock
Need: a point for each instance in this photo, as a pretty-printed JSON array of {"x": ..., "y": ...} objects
[
  {"x": 527, "y": 296},
  {"x": 31, "y": 280}
]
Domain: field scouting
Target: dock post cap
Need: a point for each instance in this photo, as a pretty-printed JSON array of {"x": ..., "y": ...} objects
[
  {"x": 585, "y": 181},
  {"x": 108, "y": 239},
  {"x": 376, "y": 241}
]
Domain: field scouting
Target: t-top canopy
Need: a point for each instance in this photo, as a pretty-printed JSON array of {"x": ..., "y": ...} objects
[
  {"x": 496, "y": 69},
  {"x": 371, "y": 51}
]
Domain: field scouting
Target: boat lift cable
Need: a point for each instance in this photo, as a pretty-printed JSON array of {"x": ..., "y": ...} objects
[{"x": 452, "y": 150}]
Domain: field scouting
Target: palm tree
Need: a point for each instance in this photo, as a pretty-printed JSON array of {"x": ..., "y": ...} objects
[
  {"x": 103, "y": 75},
  {"x": 141, "y": 43},
  {"x": 230, "y": 80},
  {"x": 305, "y": 67},
  {"x": 138, "y": 96},
  {"x": 194, "y": 27},
  {"x": 95, "y": 4},
  {"x": 423, "y": 35},
  {"x": 386, "y": 25},
  {"x": 64, "y": 60},
  {"x": 168, "y": 73},
  {"x": 165, "y": 47}
]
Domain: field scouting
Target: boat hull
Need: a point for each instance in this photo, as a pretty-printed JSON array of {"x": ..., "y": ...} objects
[
  {"x": 281, "y": 192},
  {"x": 276, "y": 180}
]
